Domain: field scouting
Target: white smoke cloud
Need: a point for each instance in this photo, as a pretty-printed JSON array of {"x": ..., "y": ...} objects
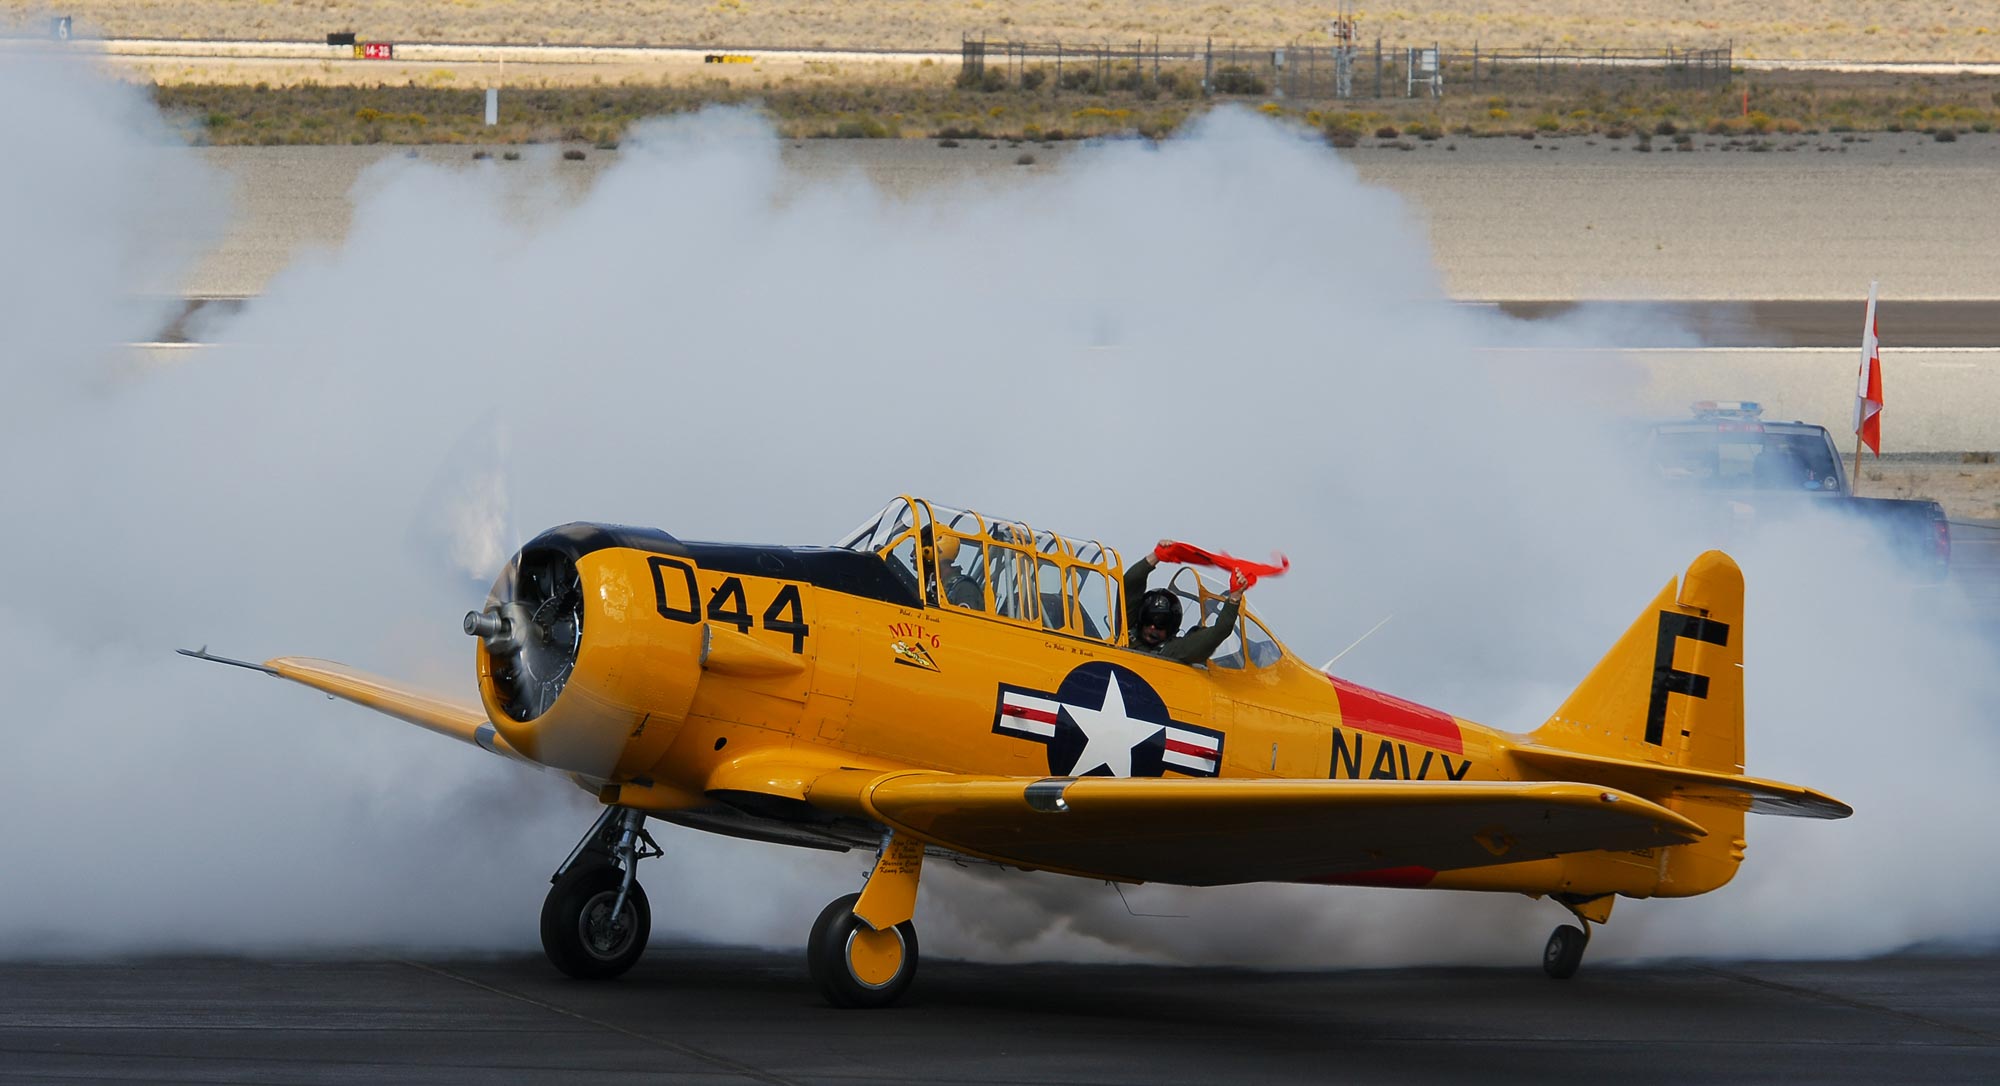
[{"x": 1225, "y": 338}]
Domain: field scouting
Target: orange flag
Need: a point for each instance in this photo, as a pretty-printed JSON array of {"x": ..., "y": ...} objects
[{"x": 1868, "y": 389}]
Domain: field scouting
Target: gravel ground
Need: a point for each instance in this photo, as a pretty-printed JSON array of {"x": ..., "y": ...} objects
[{"x": 1508, "y": 218}]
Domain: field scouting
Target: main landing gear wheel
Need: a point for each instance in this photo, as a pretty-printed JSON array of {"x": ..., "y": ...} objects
[
  {"x": 582, "y": 934},
  {"x": 1564, "y": 952},
  {"x": 855, "y": 965}
]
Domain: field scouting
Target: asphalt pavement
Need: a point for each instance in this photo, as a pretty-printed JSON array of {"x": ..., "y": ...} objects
[{"x": 692, "y": 1014}]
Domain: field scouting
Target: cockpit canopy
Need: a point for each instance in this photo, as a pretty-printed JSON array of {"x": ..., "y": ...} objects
[
  {"x": 1000, "y": 567},
  {"x": 1007, "y": 570}
]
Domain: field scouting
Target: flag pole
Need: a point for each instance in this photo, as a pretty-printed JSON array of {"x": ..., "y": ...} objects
[{"x": 1855, "y": 487}]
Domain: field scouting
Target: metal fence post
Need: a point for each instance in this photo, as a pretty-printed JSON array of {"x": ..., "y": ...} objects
[{"x": 1378, "y": 67}]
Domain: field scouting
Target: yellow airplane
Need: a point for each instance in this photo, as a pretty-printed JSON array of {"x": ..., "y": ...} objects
[{"x": 945, "y": 684}]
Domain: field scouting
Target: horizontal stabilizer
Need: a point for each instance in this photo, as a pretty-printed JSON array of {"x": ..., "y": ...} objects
[
  {"x": 1214, "y": 832},
  {"x": 1662, "y": 782}
]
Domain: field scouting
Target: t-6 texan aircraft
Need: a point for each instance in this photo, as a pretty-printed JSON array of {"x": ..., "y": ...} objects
[{"x": 944, "y": 684}]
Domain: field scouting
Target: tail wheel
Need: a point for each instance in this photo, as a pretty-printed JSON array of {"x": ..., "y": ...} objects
[
  {"x": 1564, "y": 952},
  {"x": 855, "y": 965},
  {"x": 579, "y": 931}
]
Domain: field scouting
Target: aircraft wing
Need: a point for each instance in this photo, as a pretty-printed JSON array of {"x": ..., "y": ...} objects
[
  {"x": 1197, "y": 832},
  {"x": 465, "y": 723}
]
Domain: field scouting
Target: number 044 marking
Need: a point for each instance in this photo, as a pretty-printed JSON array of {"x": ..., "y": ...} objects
[{"x": 674, "y": 597}]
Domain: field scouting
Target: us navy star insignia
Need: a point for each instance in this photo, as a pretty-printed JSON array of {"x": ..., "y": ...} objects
[
  {"x": 1110, "y": 734},
  {"x": 1104, "y": 719}
]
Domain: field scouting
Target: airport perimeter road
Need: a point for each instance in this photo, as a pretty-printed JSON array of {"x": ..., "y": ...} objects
[{"x": 700, "y": 1014}]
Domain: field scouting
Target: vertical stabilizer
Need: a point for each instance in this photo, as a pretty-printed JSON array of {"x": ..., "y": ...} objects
[{"x": 1670, "y": 692}]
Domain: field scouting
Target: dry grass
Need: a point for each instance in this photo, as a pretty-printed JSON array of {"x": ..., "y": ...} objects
[
  {"x": 1862, "y": 30},
  {"x": 923, "y": 101},
  {"x": 1969, "y": 489}
]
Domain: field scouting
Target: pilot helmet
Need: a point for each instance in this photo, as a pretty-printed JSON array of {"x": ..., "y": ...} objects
[
  {"x": 947, "y": 549},
  {"x": 1161, "y": 608}
]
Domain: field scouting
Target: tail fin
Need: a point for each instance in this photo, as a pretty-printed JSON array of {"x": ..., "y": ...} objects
[{"x": 1670, "y": 692}]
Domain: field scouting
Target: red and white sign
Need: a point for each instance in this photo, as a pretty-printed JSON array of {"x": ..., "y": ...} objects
[{"x": 375, "y": 50}]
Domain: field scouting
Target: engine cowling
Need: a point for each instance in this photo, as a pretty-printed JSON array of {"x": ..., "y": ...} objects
[{"x": 572, "y": 670}]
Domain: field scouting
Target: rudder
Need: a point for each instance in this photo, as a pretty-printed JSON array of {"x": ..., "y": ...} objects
[{"x": 1671, "y": 690}]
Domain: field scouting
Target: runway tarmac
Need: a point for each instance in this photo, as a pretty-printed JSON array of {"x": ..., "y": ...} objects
[{"x": 701, "y": 1014}]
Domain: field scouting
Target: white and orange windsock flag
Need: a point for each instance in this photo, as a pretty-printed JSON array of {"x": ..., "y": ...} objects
[{"x": 1868, "y": 388}]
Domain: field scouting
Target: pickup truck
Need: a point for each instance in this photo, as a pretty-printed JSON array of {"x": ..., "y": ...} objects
[{"x": 1759, "y": 470}]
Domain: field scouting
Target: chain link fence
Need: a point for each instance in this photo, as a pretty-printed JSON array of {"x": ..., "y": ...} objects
[{"x": 1327, "y": 72}]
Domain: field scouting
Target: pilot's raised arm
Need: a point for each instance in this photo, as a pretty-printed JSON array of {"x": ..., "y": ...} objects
[{"x": 1152, "y": 618}]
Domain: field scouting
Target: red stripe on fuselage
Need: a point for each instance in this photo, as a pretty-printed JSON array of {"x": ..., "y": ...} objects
[
  {"x": 1387, "y": 715},
  {"x": 1026, "y": 713},
  {"x": 1178, "y": 747}
]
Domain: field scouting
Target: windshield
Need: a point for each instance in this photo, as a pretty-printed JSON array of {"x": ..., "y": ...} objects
[{"x": 1745, "y": 460}]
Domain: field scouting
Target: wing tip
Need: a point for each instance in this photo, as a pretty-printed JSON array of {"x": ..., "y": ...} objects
[{"x": 202, "y": 653}]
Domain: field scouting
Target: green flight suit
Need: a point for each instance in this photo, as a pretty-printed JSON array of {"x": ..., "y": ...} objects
[{"x": 1193, "y": 647}]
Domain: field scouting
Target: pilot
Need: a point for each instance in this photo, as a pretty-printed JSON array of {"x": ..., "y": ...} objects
[
  {"x": 959, "y": 589},
  {"x": 1153, "y": 618}
]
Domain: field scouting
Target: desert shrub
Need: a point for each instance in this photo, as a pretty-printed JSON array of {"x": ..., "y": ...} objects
[
  {"x": 1789, "y": 127},
  {"x": 995, "y": 80},
  {"x": 1547, "y": 122},
  {"x": 1079, "y": 79},
  {"x": 860, "y": 128},
  {"x": 1945, "y": 135},
  {"x": 1617, "y": 132},
  {"x": 573, "y": 155},
  {"x": 1341, "y": 137},
  {"x": 1982, "y": 126},
  {"x": 1666, "y": 128},
  {"x": 1032, "y": 78},
  {"x": 1236, "y": 79},
  {"x": 947, "y": 143},
  {"x": 1387, "y": 132},
  {"x": 1024, "y": 159},
  {"x": 510, "y": 156}
]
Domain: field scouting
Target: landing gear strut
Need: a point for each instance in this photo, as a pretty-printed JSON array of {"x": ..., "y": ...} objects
[
  {"x": 1564, "y": 951},
  {"x": 596, "y": 919},
  {"x": 863, "y": 948}
]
